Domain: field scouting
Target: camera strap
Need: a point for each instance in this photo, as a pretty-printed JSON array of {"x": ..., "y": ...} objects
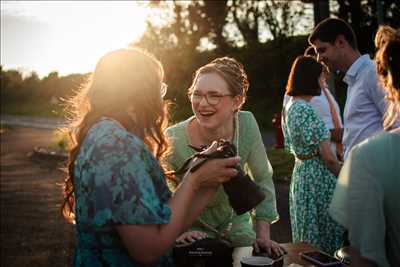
[{"x": 222, "y": 234}]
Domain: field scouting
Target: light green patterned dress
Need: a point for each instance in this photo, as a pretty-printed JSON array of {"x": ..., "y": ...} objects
[
  {"x": 254, "y": 160},
  {"x": 312, "y": 183}
]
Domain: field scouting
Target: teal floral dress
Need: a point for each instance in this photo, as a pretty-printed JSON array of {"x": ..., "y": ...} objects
[
  {"x": 117, "y": 181},
  {"x": 312, "y": 183}
]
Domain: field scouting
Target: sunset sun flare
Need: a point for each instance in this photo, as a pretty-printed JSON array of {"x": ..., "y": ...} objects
[{"x": 64, "y": 36}]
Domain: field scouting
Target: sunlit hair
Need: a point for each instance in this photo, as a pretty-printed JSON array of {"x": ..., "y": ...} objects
[
  {"x": 125, "y": 86},
  {"x": 329, "y": 29},
  {"x": 303, "y": 77},
  {"x": 383, "y": 34},
  {"x": 310, "y": 51},
  {"x": 231, "y": 71},
  {"x": 388, "y": 68}
]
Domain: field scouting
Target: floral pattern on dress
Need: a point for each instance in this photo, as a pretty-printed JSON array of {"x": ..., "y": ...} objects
[
  {"x": 117, "y": 181},
  {"x": 312, "y": 183}
]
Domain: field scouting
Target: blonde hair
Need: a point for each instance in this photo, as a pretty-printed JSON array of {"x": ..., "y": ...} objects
[
  {"x": 125, "y": 81},
  {"x": 383, "y": 34},
  {"x": 231, "y": 71},
  {"x": 387, "y": 59}
]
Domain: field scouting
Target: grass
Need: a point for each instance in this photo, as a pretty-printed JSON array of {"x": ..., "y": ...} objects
[
  {"x": 37, "y": 108},
  {"x": 60, "y": 141},
  {"x": 282, "y": 163}
]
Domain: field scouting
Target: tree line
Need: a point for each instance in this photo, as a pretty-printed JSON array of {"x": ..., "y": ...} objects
[{"x": 264, "y": 35}]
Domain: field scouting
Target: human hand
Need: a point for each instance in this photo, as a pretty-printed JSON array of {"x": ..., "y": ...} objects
[
  {"x": 269, "y": 246},
  {"x": 263, "y": 242},
  {"x": 189, "y": 237},
  {"x": 214, "y": 171}
]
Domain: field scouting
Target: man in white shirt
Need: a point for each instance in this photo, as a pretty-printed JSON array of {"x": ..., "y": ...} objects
[{"x": 336, "y": 46}]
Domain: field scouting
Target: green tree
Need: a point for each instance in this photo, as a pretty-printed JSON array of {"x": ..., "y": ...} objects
[
  {"x": 226, "y": 24},
  {"x": 362, "y": 16},
  {"x": 188, "y": 23},
  {"x": 31, "y": 85},
  {"x": 11, "y": 85},
  {"x": 49, "y": 85},
  {"x": 279, "y": 18}
]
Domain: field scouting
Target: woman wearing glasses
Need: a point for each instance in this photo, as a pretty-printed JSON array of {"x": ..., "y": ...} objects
[
  {"x": 115, "y": 190},
  {"x": 217, "y": 93}
]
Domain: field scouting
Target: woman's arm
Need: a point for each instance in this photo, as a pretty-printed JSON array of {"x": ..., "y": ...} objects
[
  {"x": 264, "y": 241},
  {"x": 146, "y": 243},
  {"x": 329, "y": 158},
  {"x": 259, "y": 166},
  {"x": 336, "y": 135},
  {"x": 261, "y": 170}
]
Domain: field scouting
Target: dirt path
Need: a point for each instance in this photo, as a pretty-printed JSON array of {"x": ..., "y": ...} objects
[{"x": 32, "y": 232}]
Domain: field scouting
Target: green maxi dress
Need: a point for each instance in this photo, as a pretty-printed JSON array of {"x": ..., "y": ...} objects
[{"x": 312, "y": 183}]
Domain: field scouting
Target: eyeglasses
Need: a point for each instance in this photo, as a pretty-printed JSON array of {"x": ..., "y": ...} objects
[
  {"x": 212, "y": 99},
  {"x": 163, "y": 89}
]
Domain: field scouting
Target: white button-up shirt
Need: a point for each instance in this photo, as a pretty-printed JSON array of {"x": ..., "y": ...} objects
[{"x": 365, "y": 103}]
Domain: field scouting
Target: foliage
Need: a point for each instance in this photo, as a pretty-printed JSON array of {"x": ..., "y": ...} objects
[
  {"x": 192, "y": 33},
  {"x": 61, "y": 141},
  {"x": 362, "y": 16},
  {"x": 267, "y": 63},
  {"x": 282, "y": 163},
  {"x": 34, "y": 96},
  {"x": 225, "y": 24},
  {"x": 31, "y": 107},
  {"x": 254, "y": 18},
  {"x": 267, "y": 68}
]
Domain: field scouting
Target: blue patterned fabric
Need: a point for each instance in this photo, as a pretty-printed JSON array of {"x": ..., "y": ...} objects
[
  {"x": 312, "y": 183},
  {"x": 117, "y": 181}
]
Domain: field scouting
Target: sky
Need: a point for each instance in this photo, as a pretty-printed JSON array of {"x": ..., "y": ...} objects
[{"x": 65, "y": 36}]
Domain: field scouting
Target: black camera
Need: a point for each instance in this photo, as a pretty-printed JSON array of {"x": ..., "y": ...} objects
[
  {"x": 242, "y": 192},
  {"x": 243, "y": 195}
]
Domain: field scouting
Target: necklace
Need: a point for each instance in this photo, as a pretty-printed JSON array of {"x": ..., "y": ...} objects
[
  {"x": 221, "y": 234},
  {"x": 201, "y": 137}
]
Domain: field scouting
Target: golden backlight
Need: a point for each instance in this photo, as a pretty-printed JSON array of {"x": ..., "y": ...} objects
[{"x": 68, "y": 36}]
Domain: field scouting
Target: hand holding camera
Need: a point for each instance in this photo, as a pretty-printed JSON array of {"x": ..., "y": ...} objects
[
  {"x": 214, "y": 172},
  {"x": 242, "y": 192}
]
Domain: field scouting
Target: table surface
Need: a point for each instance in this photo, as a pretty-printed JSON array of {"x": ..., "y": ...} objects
[{"x": 293, "y": 250}]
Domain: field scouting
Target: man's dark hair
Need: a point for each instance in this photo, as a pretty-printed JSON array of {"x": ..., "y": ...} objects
[
  {"x": 329, "y": 29},
  {"x": 303, "y": 77}
]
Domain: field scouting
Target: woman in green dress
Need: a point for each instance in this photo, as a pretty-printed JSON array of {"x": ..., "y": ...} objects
[
  {"x": 217, "y": 93},
  {"x": 316, "y": 168}
]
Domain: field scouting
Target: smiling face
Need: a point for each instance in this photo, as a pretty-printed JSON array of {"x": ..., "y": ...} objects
[
  {"x": 217, "y": 116},
  {"x": 329, "y": 54}
]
